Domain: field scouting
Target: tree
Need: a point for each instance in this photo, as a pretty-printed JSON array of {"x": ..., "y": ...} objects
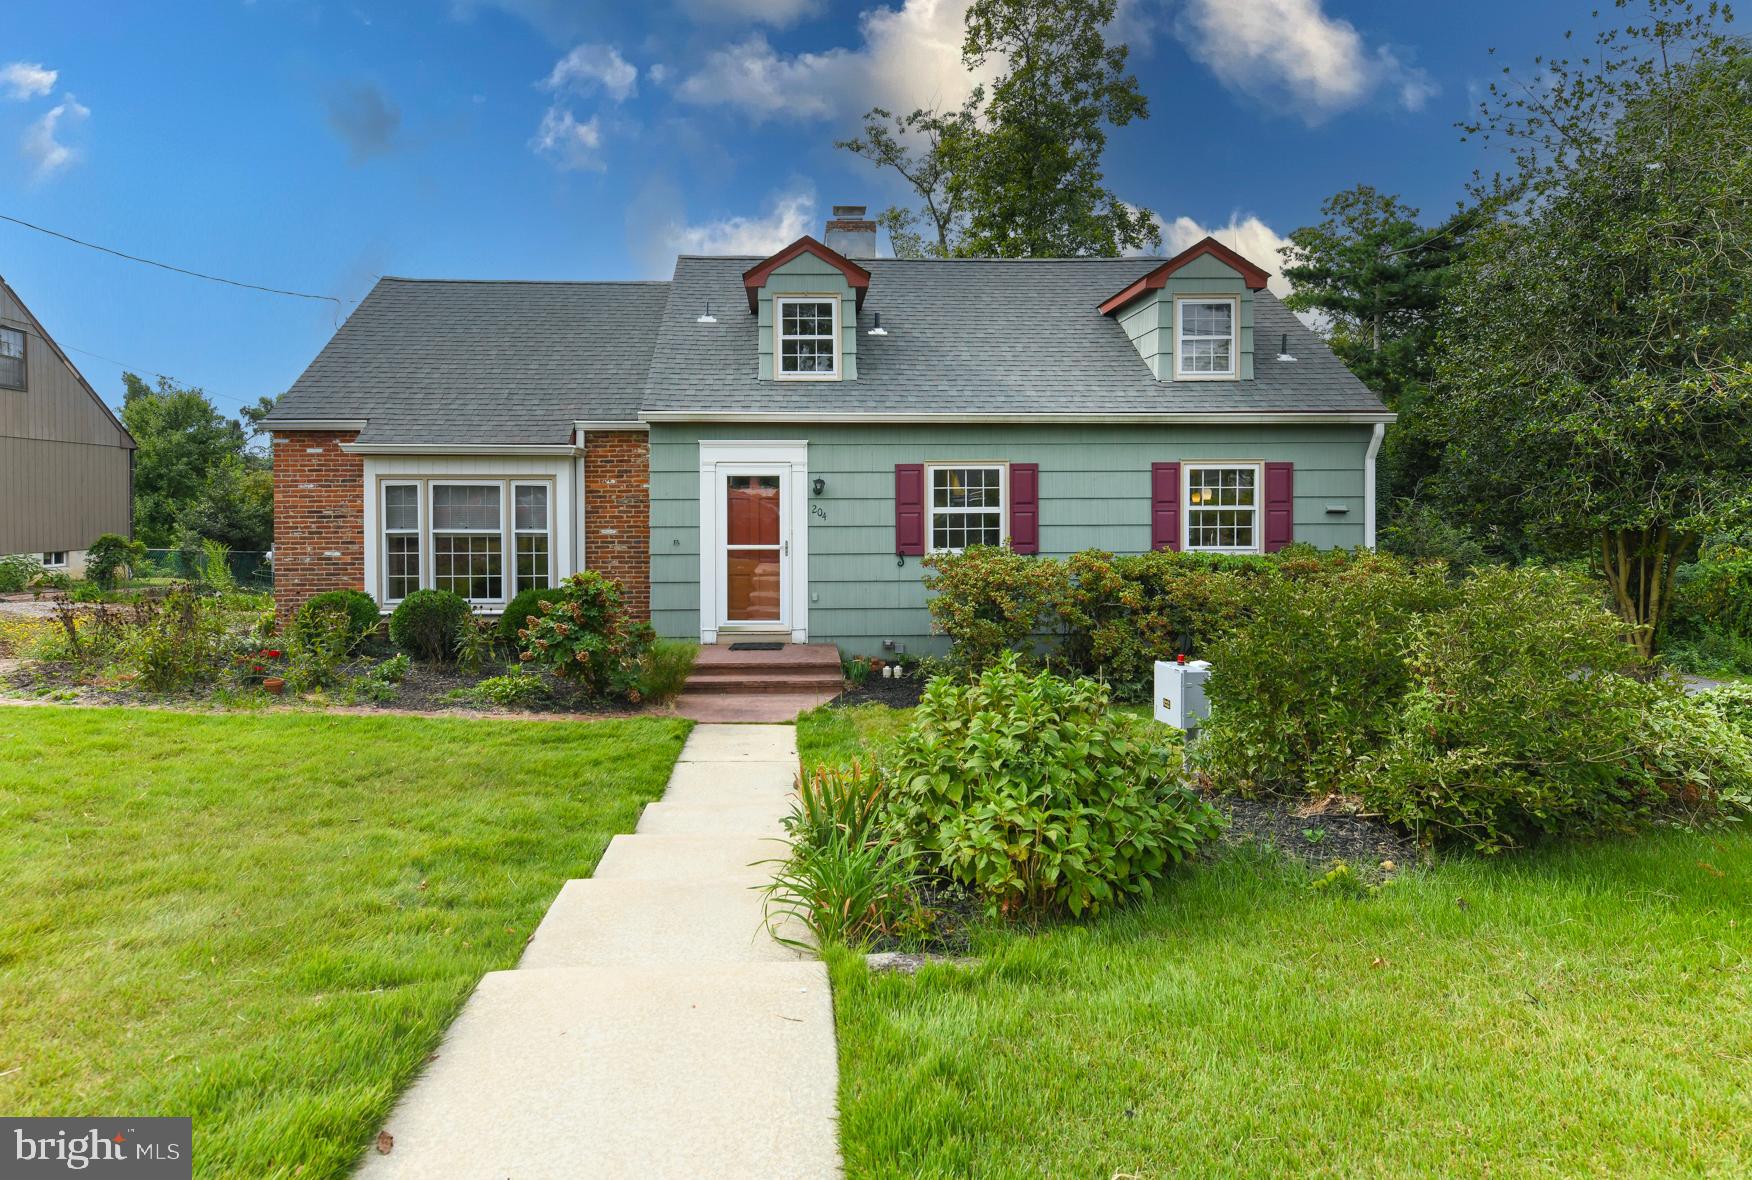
[
  {"x": 193, "y": 471},
  {"x": 1016, "y": 172},
  {"x": 1594, "y": 375}
]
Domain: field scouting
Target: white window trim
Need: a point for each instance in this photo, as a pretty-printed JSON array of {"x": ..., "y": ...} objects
[
  {"x": 931, "y": 509},
  {"x": 1234, "y": 373},
  {"x": 502, "y": 532},
  {"x": 384, "y": 532},
  {"x": 1187, "y": 467},
  {"x": 517, "y": 586},
  {"x": 49, "y": 563},
  {"x": 779, "y": 374}
]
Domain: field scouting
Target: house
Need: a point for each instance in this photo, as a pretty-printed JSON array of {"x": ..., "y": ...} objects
[
  {"x": 771, "y": 445},
  {"x": 66, "y": 462}
]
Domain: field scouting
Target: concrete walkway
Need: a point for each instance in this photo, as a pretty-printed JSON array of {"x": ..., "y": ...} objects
[{"x": 653, "y": 1028}]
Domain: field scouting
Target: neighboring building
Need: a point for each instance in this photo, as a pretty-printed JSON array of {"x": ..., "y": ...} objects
[
  {"x": 66, "y": 463},
  {"x": 771, "y": 445}
]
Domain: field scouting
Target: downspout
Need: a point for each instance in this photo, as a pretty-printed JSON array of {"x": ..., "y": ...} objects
[
  {"x": 1375, "y": 436},
  {"x": 579, "y": 532}
]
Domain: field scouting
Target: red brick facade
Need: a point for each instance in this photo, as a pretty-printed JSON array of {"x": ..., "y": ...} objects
[
  {"x": 617, "y": 513},
  {"x": 319, "y": 517}
]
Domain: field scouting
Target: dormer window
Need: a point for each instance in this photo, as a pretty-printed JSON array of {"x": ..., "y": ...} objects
[
  {"x": 808, "y": 331},
  {"x": 1205, "y": 346}
]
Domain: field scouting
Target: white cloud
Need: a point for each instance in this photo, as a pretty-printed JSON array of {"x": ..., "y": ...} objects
[
  {"x": 26, "y": 79},
  {"x": 571, "y": 145},
  {"x": 590, "y": 67},
  {"x": 41, "y": 145},
  {"x": 766, "y": 12},
  {"x": 791, "y": 215},
  {"x": 908, "y": 57},
  {"x": 1290, "y": 53},
  {"x": 1248, "y": 236}
]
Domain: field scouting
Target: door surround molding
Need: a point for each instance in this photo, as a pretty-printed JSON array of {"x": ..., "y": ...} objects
[{"x": 791, "y": 454}]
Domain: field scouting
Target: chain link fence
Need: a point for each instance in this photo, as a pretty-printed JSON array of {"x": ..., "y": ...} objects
[{"x": 248, "y": 571}]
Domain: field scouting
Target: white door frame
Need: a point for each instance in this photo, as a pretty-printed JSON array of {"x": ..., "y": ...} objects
[{"x": 789, "y": 460}]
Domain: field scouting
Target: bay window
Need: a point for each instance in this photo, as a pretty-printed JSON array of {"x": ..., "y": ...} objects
[{"x": 485, "y": 540}]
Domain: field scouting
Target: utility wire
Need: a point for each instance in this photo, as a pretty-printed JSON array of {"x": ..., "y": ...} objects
[
  {"x": 124, "y": 365},
  {"x": 339, "y": 303}
]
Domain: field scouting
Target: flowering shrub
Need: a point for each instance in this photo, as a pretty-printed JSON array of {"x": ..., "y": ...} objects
[
  {"x": 989, "y": 600},
  {"x": 585, "y": 637}
]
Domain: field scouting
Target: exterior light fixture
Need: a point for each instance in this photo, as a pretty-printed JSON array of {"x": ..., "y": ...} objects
[{"x": 820, "y": 485}]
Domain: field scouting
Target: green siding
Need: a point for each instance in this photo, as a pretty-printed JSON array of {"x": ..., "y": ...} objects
[
  {"x": 809, "y": 275},
  {"x": 1094, "y": 493},
  {"x": 1149, "y": 321}
]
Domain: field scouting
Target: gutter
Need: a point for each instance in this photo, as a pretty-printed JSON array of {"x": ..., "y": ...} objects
[
  {"x": 272, "y": 424},
  {"x": 354, "y": 448},
  {"x": 1271, "y": 418},
  {"x": 1375, "y": 437}
]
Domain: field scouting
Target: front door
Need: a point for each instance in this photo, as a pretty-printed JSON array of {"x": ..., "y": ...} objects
[{"x": 757, "y": 549}]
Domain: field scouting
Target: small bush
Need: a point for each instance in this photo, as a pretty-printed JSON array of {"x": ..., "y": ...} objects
[
  {"x": 1036, "y": 795},
  {"x": 665, "y": 668},
  {"x": 585, "y": 637},
  {"x": 521, "y": 609},
  {"x": 426, "y": 624},
  {"x": 358, "y": 606},
  {"x": 109, "y": 557},
  {"x": 518, "y": 688},
  {"x": 178, "y": 644},
  {"x": 1713, "y": 595},
  {"x": 477, "y": 641},
  {"x": 989, "y": 600},
  {"x": 17, "y": 572},
  {"x": 317, "y": 647},
  {"x": 1311, "y": 679}
]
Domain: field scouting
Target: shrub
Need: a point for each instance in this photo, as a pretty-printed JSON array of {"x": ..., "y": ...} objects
[
  {"x": 585, "y": 637},
  {"x": 358, "y": 606},
  {"x": 1519, "y": 722},
  {"x": 665, "y": 668},
  {"x": 178, "y": 643},
  {"x": 476, "y": 641},
  {"x": 17, "y": 572},
  {"x": 989, "y": 600},
  {"x": 521, "y": 609},
  {"x": 426, "y": 623},
  {"x": 1713, "y": 594},
  {"x": 1312, "y": 677},
  {"x": 316, "y": 648},
  {"x": 1036, "y": 795},
  {"x": 1122, "y": 614},
  {"x": 109, "y": 556}
]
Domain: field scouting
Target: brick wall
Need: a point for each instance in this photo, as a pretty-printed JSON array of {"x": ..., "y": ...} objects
[
  {"x": 319, "y": 517},
  {"x": 617, "y": 513}
]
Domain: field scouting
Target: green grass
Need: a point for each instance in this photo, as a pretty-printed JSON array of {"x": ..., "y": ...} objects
[
  {"x": 265, "y": 922},
  {"x": 836, "y": 736},
  {"x": 1581, "y": 1011}
]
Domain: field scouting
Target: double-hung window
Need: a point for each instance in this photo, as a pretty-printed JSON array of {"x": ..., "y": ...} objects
[
  {"x": 483, "y": 539},
  {"x": 966, "y": 506},
  {"x": 11, "y": 358},
  {"x": 808, "y": 339},
  {"x": 1205, "y": 344},
  {"x": 1222, "y": 507}
]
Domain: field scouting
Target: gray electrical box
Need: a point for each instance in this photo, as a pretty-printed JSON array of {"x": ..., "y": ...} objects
[{"x": 1180, "y": 695}]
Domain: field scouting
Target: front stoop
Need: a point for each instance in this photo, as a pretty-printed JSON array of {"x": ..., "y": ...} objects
[
  {"x": 654, "y": 1027},
  {"x": 732, "y": 686}
]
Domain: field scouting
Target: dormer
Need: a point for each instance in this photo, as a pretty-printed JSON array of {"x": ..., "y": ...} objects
[
  {"x": 1191, "y": 318},
  {"x": 807, "y": 298}
]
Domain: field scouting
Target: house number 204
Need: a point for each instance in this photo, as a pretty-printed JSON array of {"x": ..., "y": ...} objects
[{"x": 818, "y": 510}]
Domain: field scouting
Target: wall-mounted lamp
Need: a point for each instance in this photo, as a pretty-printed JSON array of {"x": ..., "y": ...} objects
[{"x": 820, "y": 485}]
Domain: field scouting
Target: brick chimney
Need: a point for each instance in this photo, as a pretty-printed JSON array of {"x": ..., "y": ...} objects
[{"x": 850, "y": 233}]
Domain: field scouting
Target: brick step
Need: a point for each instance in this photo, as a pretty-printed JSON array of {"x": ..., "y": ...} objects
[
  {"x": 790, "y": 682},
  {"x": 752, "y": 662}
]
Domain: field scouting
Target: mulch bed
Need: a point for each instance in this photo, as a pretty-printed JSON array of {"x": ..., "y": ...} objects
[
  {"x": 896, "y": 694},
  {"x": 1319, "y": 831}
]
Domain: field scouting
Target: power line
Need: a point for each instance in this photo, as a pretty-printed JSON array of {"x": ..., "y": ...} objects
[
  {"x": 126, "y": 367},
  {"x": 339, "y": 303}
]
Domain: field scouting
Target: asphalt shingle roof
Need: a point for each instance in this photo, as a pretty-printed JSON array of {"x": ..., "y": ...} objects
[
  {"x": 454, "y": 362},
  {"x": 448, "y": 362},
  {"x": 981, "y": 336}
]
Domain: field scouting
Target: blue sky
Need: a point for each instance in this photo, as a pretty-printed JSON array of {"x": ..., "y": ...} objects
[{"x": 315, "y": 146}]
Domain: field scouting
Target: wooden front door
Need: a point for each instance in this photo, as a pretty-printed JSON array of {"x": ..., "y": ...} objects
[{"x": 756, "y": 549}]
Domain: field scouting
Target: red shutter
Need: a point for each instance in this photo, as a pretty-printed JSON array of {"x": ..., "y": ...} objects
[
  {"x": 1280, "y": 505},
  {"x": 1165, "y": 506},
  {"x": 1025, "y": 507},
  {"x": 909, "y": 508}
]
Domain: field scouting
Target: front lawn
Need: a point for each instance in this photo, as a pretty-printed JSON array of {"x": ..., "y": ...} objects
[{"x": 265, "y": 922}]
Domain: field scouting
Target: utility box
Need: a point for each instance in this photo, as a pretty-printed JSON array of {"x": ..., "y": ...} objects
[{"x": 1180, "y": 694}]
